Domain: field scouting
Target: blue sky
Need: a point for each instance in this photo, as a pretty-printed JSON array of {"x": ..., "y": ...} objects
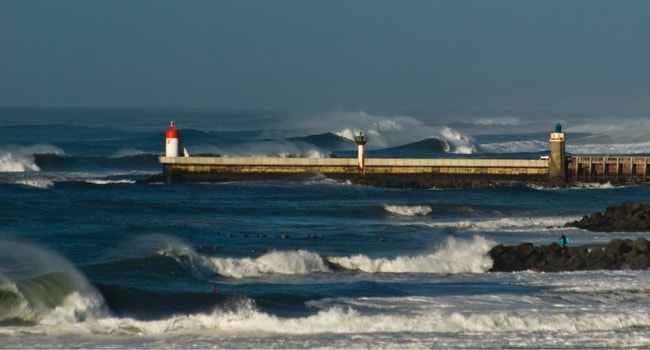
[{"x": 319, "y": 55}]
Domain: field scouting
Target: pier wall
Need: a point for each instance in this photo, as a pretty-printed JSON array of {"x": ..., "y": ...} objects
[{"x": 220, "y": 169}]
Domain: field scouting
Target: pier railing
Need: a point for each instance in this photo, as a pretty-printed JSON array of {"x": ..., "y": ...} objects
[{"x": 608, "y": 168}]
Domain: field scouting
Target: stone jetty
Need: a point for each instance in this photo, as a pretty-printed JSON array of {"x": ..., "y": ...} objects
[
  {"x": 627, "y": 217},
  {"x": 618, "y": 254}
]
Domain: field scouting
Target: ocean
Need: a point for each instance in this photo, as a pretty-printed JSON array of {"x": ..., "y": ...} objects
[{"x": 92, "y": 257}]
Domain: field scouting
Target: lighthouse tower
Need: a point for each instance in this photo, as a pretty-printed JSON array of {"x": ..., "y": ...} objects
[
  {"x": 361, "y": 144},
  {"x": 172, "y": 147},
  {"x": 557, "y": 162}
]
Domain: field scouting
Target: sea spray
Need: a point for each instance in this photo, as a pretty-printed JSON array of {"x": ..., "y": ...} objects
[
  {"x": 406, "y": 210},
  {"x": 456, "y": 142},
  {"x": 38, "y": 285},
  {"x": 291, "y": 262},
  {"x": 17, "y": 158},
  {"x": 515, "y": 146},
  {"x": 455, "y": 256},
  {"x": 506, "y": 224}
]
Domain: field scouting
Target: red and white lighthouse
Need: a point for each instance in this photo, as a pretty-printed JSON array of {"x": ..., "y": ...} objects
[{"x": 172, "y": 145}]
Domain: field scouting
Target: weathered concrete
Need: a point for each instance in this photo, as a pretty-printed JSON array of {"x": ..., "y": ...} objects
[{"x": 377, "y": 170}]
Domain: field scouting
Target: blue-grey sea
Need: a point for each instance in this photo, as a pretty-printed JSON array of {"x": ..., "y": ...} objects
[{"x": 92, "y": 257}]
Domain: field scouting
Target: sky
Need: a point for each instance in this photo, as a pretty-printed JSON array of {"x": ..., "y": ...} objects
[{"x": 375, "y": 55}]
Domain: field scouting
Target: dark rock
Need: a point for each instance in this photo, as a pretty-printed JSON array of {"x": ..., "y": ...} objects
[
  {"x": 616, "y": 255},
  {"x": 641, "y": 245},
  {"x": 627, "y": 217}
]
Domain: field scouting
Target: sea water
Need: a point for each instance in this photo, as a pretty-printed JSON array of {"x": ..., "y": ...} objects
[{"x": 91, "y": 256}]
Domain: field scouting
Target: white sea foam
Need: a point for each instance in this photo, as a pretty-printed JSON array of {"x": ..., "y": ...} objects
[
  {"x": 41, "y": 183},
  {"x": 268, "y": 148},
  {"x": 408, "y": 210},
  {"x": 306, "y": 153},
  {"x": 580, "y": 186},
  {"x": 617, "y": 127},
  {"x": 276, "y": 262},
  {"x": 587, "y": 283},
  {"x": 17, "y": 158},
  {"x": 472, "y": 319},
  {"x": 320, "y": 179},
  {"x": 456, "y": 256},
  {"x": 506, "y": 224},
  {"x": 467, "y": 321},
  {"x": 10, "y": 162},
  {"x": 515, "y": 146},
  {"x": 76, "y": 307},
  {"x": 499, "y": 121},
  {"x": 590, "y": 185},
  {"x": 609, "y": 148},
  {"x": 396, "y": 130},
  {"x": 127, "y": 152},
  {"x": 44, "y": 287},
  {"x": 108, "y": 182},
  {"x": 456, "y": 143}
]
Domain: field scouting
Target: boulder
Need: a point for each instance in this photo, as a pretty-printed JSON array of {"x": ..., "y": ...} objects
[
  {"x": 627, "y": 217},
  {"x": 618, "y": 254}
]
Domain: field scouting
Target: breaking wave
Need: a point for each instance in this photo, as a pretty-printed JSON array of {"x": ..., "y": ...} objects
[
  {"x": 405, "y": 210},
  {"x": 455, "y": 257},
  {"x": 37, "y": 286},
  {"x": 16, "y": 158}
]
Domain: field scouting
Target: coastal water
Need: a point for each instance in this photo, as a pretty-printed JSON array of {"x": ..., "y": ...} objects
[{"x": 92, "y": 257}]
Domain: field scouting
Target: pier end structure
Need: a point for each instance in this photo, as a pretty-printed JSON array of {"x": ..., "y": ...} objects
[
  {"x": 361, "y": 140},
  {"x": 557, "y": 164},
  {"x": 172, "y": 144}
]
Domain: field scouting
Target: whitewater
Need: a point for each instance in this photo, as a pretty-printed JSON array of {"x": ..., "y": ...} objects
[{"x": 94, "y": 257}]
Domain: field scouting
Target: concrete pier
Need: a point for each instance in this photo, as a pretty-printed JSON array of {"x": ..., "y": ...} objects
[
  {"x": 220, "y": 169},
  {"x": 557, "y": 170}
]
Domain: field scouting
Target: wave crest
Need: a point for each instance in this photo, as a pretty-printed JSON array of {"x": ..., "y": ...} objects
[
  {"x": 37, "y": 286},
  {"x": 405, "y": 210},
  {"x": 276, "y": 262},
  {"x": 456, "y": 143},
  {"x": 454, "y": 257},
  {"x": 16, "y": 158}
]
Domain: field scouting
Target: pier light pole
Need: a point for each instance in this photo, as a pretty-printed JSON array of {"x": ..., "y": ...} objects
[
  {"x": 557, "y": 161},
  {"x": 361, "y": 142}
]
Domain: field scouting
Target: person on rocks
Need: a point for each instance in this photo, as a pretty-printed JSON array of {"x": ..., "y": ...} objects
[{"x": 563, "y": 241}]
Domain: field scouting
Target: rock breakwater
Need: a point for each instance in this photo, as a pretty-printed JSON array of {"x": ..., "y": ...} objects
[
  {"x": 627, "y": 217},
  {"x": 618, "y": 254}
]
